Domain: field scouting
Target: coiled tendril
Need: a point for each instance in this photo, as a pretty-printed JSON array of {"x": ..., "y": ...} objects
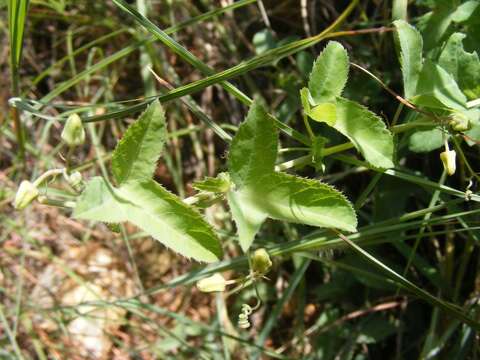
[{"x": 243, "y": 321}]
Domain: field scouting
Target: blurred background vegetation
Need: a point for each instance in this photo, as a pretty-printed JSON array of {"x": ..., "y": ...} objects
[{"x": 75, "y": 290}]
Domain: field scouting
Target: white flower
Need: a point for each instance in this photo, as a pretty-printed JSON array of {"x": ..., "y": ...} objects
[
  {"x": 26, "y": 193},
  {"x": 448, "y": 160},
  {"x": 73, "y": 132},
  {"x": 216, "y": 282}
]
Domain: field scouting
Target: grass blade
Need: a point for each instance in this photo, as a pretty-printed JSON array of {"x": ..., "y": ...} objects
[
  {"x": 239, "y": 69},
  {"x": 17, "y": 13},
  {"x": 449, "y": 308}
]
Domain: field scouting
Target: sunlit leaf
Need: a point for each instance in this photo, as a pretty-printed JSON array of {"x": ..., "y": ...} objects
[
  {"x": 136, "y": 155},
  {"x": 366, "y": 131},
  {"x": 329, "y": 74},
  {"x": 254, "y": 148},
  {"x": 259, "y": 192},
  {"x": 154, "y": 210}
]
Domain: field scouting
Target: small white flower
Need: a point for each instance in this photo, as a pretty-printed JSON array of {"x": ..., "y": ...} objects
[
  {"x": 216, "y": 282},
  {"x": 73, "y": 132},
  {"x": 448, "y": 160},
  {"x": 26, "y": 193}
]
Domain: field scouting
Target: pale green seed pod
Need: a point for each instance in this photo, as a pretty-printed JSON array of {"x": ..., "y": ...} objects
[
  {"x": 73, "y": 133},
  {"x": 26, "y": 193},
  {"x": 214, "y": 283},
  {"x": 448, "y": 160},
  {"x": 261, "y": 262}
]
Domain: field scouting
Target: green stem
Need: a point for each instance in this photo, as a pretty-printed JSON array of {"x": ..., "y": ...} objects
[
  {"x": 57, "y": 203},
  {"x": 9, "y": 333},
  {"x": 47, "y": 174},
  {"x": 309, "y": 129}
]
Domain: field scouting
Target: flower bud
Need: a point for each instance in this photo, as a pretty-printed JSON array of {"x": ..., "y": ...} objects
[
  {"x": 73, "y": 132},
  {"x": 448, "y": 160},
  {"x": 261, "y": 262},
  {"x": 75, "y": 180},
  {"x": 26, "y": 193},
  {"x": 459, "y": 122},
  {"x": 216, "y": 282}
]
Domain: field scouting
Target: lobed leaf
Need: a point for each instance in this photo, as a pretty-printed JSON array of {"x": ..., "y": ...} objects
[
  {"x": 136, "y": 155},
  {"x": 259, "y": 192},
  {"x": 409, "y": 45},
  {"x": 329, "y": 74},
  {"x": 153, "y": 209}
]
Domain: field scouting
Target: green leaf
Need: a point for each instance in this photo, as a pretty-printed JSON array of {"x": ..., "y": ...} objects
[
  {"x": 409, "y": 44},
  {"x": 289, "y": 198},
  {"x": 247, "y": 215},
  {"x": 259, "y": 192},
  {"x": 154, "y": 210},
  {"x": 136, "y": 155},
  {"x": 170, "y": 221},
  {"x": 438, "y": 89},
  {"x": 463, "y": 66},
  {"x": 254, "y": 148},
  {"x": 306, "y": 201},
  {"x": 100, "y": 202},
  {"x": 325, "y": 112},
  {"x": 425, "y": 140},
  {"x": 366, "y": 131},
  {"x": 329, "y": 74},
  {"x": 436, "y": 25},
  {"x": 465, "y": 11}
]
